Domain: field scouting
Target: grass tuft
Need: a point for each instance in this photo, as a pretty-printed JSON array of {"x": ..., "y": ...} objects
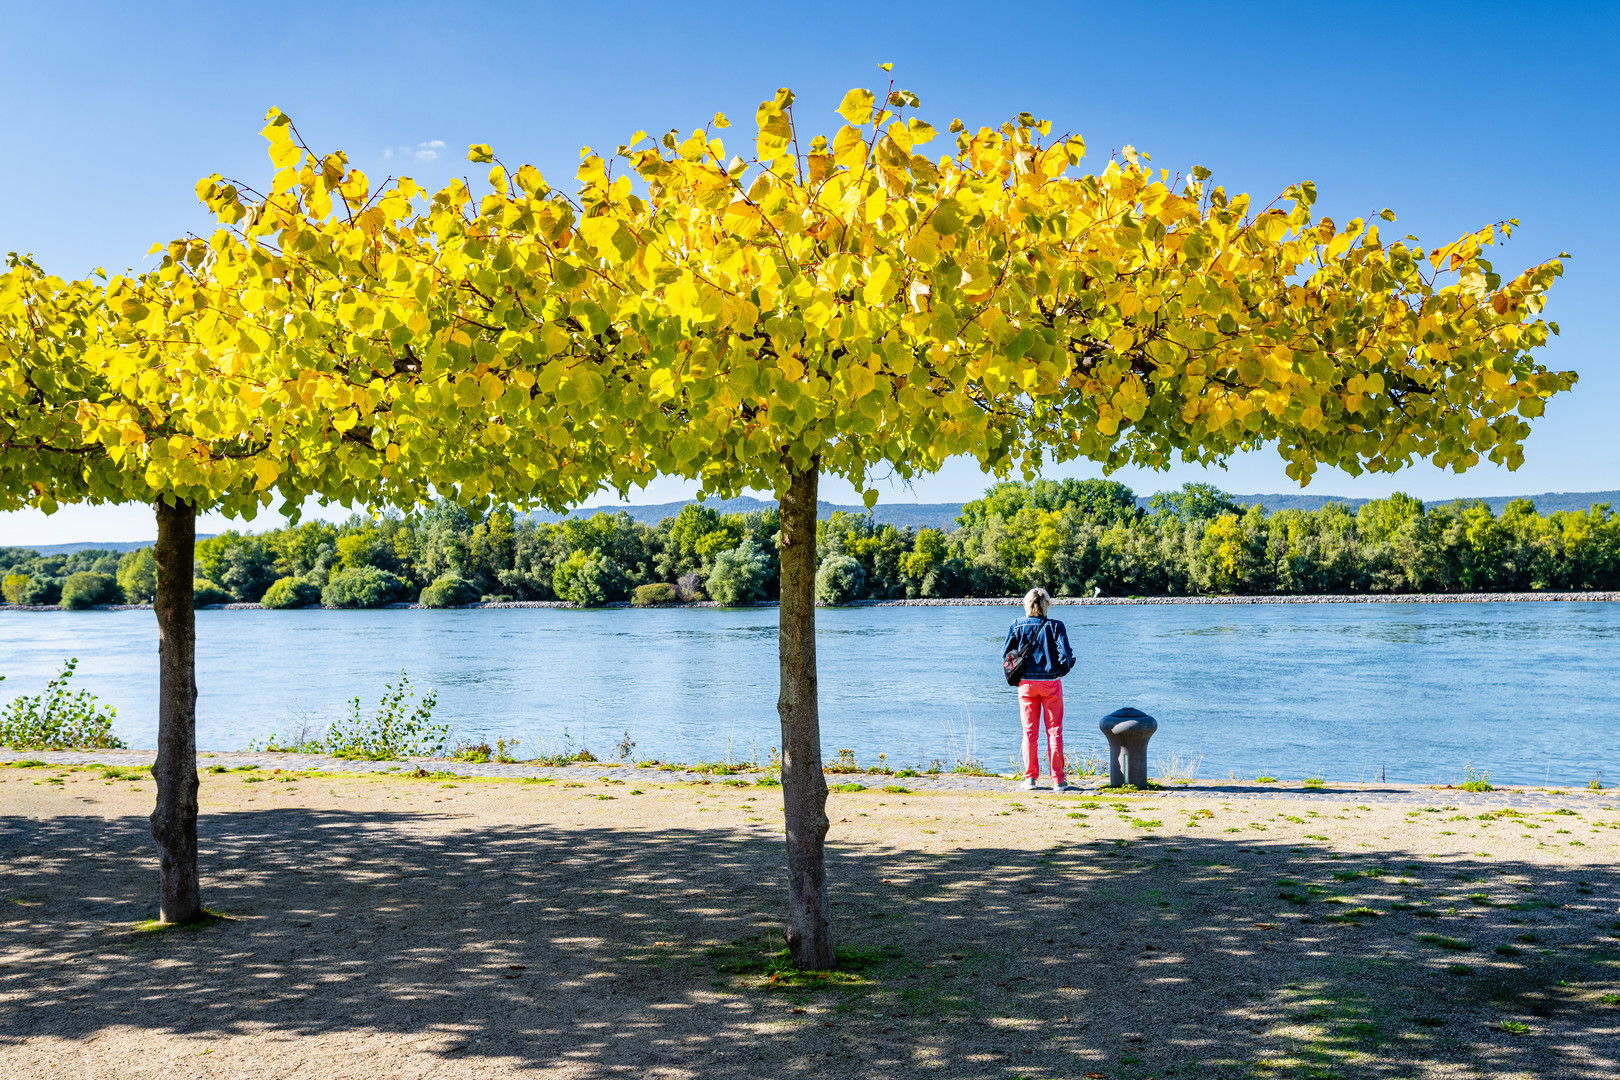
[
  {"x": 158, "y": 926},
  {"x": 1441, "y": 941}
]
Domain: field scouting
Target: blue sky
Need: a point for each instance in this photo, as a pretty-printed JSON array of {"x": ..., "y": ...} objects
[{"x": 1454, "y": 115}]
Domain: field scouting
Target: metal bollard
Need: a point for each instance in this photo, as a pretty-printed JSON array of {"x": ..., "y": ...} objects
[{"x": 1128, "y": 731}]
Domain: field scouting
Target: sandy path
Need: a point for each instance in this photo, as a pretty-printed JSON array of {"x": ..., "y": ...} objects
[{"x": 382, "y": 926}]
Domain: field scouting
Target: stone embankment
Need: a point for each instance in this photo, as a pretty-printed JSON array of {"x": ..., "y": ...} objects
[{"x": 1011, "y": 601}]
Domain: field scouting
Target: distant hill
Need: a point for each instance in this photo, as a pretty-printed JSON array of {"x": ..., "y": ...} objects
[
  {"x": 119, "y": 546},
  {"x": 1546, "y": 503},
  {"x": 111, "y": 545},
  {"x": 900, "y": 515},
  {"x": 943, "y": 515}
]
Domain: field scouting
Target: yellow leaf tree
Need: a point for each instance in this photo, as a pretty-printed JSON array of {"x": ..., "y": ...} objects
[
  {"x": 226, "y": 378},
  {"x": 847, "y": 303}
]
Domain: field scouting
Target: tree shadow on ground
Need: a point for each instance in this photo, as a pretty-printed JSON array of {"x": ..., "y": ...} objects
[{"x": 590, "y": 952}]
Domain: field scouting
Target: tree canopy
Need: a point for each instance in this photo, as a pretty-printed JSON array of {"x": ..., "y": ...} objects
[{"x": 836, "y": 303}]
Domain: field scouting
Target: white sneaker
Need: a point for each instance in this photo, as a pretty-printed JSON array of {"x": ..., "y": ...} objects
[
  {"x": 1061, "y": 787},
  {"x": 1028, "y": 785}
]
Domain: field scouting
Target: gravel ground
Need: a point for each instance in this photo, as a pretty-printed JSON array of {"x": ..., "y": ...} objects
[{"x": 610, "y": 921}]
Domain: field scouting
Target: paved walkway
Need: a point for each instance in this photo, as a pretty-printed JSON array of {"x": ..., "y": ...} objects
[{"x": 1087, "y": 786}]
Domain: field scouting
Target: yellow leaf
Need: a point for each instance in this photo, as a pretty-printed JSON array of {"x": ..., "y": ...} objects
[
  {"x": 284, "y": 154},
  {"x": 876, "y": 203},
  {"x": 849, "y": 147},
  {"x": 857, "y": 106},
  {"x": 774, "y": 129},
  {"x": 480, "y": 154},
  {"x": 920, "y": 132},
  {"x": 682, "y": 298}
]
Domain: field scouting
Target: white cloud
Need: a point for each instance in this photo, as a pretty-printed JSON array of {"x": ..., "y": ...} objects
[{"x": 422, "y": 151}]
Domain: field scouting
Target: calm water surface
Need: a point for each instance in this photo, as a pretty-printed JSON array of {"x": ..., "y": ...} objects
[{"x": 1527, "y": 691}]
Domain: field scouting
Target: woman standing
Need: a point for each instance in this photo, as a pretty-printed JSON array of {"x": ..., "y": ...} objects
[{"x": 1040, "y": 691}]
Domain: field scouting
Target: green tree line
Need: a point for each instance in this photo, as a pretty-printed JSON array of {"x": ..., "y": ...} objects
[{"x": 1073, "y": 537}]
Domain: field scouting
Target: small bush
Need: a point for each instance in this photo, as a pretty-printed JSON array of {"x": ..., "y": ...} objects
[
  {"x": 137, "y": 576},
  {"x": 475, "y": 753},
  {"x": 564, "y": 757},
  {"x": 363, "y": 587},
  {"x": 739, "y": 575},
  {"x": 589, "y": 580},
  {"x": 291, "y": 592},
  {"x": 844, "y": 763},
  {"x": 1476, "y": 779},
  {"x": 449, "y": 590},
  {"x": 205, "y": 592},
  {"x": 13, "y": 587},
  {"x": 655, "y": 594},
  {"x": 689, "y": 587},
  {"x": 58, "y": 720},
  {"x": 850, "y": 787},
  {"x": 390, "y": 732},
  {"x": 840, "y": 580},
  {"x": 87, "y": 589},
  {"x": 23, "y": 589},
  {"x": 301, "y": 742}
]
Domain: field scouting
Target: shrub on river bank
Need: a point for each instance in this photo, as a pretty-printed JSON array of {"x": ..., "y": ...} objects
[
  {"x": 654, "y": 595},
  {"x": 449, "y": 590},
  {"x": 364, "y": 587},
  {"x": 58, "y": 720},
  {"x": 1070, "y": 537},
  {"x": 88, "y": 588},
  {"x": 291, "y": 592},
  {"x": 394, "y": 730}
]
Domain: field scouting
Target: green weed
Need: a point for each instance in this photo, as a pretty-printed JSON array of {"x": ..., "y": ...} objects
[
  {"x": 1476, "y": 779},
  {"x": 1442, "y": 942}
]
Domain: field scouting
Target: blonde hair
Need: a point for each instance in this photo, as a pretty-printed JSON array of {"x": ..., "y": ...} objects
[{"x": 1036, "y": 603}]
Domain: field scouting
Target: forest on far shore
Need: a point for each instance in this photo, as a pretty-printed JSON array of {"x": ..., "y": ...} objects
[{"x": 1072, "y": 537}]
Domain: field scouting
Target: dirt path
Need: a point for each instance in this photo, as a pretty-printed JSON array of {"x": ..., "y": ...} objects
[{"x": 382, "y": 926}]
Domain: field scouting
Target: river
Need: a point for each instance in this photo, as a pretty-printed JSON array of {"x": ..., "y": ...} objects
[{"x": 1348, "y": 692}]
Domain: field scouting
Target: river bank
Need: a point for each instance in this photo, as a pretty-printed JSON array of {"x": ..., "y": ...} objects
[
  {"x": 457, "y": 927},
  {"x": 994, "y": 601},
  {"x": 1085, "y": 786}
]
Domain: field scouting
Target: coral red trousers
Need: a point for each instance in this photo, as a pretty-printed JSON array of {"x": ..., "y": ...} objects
[{"x": 1038, "y": 699}]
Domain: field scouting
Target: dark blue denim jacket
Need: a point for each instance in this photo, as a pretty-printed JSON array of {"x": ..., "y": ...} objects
[{"x": 1051, "y": 658}]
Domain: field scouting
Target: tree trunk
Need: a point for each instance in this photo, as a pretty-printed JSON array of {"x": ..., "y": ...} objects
[
  {"x": 174, "y": 820},
  {"x": 804, "y": 786}
]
